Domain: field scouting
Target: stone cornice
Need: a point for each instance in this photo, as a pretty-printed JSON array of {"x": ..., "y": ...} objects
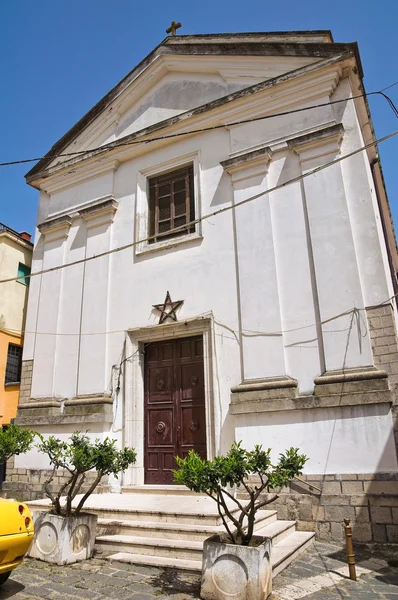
[
  {"x": 270, "y": 383},
  {"x": 40, "y": 403},
  {"x": 351, "y": 375},
  {"x": 318, "y": 143},
  {"x": 87, "y": 399},
  {"x": 353, "y": 387},
  {"x": 57, "y": 228},
  {"x": 248, "y": 164},
  {"x": 99, "y": 213}
]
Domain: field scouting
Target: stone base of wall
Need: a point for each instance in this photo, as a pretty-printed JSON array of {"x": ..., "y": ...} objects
[
  {"x": 77, "y": 412},
  {"x": 28, "y": 484},
  {"x": 369, "y": 500}
]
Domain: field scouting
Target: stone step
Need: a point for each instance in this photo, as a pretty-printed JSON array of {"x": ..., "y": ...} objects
[
  {"x": 164, "y": 490},
  {"x": 157, "y": 561},
  {"x": 180, "y": 548},
  {"x": 165, "y": 547},
  {"x": 277, "y": 530},
  {"x": 172, "y": 508},
  {"x": 156, "y": 529},
  {"x": 158, "y": 517},
  {"x": 283, "y": 554},
  {"x": 290, "y": 548}
]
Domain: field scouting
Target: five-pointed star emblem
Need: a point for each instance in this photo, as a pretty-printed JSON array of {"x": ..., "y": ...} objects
[{"x": 168, "y": 309}]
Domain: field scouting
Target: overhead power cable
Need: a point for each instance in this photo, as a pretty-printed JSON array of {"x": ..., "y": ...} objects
[
  {"x": 208, "y": 215},
  {"x": 391, "y": 103},
  {"x": 389, "y": 86},
  {"x": 115, "y": 145}
]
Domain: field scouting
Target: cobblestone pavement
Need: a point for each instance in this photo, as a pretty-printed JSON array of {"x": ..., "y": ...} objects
[{"x": 319, "y": 574}]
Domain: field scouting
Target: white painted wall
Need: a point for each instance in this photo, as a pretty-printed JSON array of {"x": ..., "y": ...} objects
[
  {"x": 356, "y": 439},
  {"x": 36, "y": 460},
  {"x": 310, "y": 250}
]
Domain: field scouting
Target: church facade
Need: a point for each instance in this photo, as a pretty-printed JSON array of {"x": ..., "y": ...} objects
[{"x": 214, "y": 260}]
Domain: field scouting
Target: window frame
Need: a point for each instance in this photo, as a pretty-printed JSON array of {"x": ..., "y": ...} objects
[
  {"x": 18, "y": 381},
  {"x": 20, "y": 280},
  {"x": 170, "y": 179},
  {"x": 142, "y": 227}
]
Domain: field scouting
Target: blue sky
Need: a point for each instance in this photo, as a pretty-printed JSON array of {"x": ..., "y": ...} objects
[{"x": 59, "y": 57}]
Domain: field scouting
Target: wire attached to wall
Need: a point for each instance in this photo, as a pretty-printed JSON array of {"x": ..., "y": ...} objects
[
  {"x": 246, "y": 332},
  {"x": 208, "y": 215},
  {"x": 115, "y": 145},
  {"x": 120, "y": 373}
]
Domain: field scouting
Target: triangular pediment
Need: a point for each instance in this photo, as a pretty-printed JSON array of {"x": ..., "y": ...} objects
[
  {"x": 183, "y": 74},
  {"x": 178, "y": 91}
]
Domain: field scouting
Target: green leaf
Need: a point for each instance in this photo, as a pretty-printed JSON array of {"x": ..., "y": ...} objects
[
  {"x": 78, "y": 456},
  {"x": 235, "y": 470},
  {"x": 14, "y": 440}
]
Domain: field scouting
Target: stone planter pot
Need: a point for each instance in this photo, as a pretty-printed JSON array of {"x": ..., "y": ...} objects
[
  {"x": 231, "y": 572},
  {"x": 63, "y": 540}
]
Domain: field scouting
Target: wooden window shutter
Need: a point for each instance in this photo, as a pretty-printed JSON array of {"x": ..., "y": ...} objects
[{"x": 171, "y": 204}]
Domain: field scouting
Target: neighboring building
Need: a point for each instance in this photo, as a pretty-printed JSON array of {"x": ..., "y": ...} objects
[
  {"x": 15, "y": 261},
  {"x": 272, "y": 330}
]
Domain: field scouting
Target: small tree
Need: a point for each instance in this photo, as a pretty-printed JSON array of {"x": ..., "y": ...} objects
[
  {"x": 79, "y": 456},
  {"x": 14, "y": 440},
  {"x": 233, "y": 470}
]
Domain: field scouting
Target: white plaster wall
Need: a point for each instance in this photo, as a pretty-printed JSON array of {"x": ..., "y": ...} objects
[
  {"x": 72, "y": 197},
  {"x": 356, "y": 439},
  {"x": 47, "y": 321},
  {"x": 362, "y": 205},
  {"x": 94, "y": 371},
  {"x": 174, "y": 94},
  {"x": 275, "y": 129},
  {"x": 336, "y": 268},
  {"x": 37, "y": 460},
  {"x": 277, "y": 277},
  {"x": 68, "y": 341},
  {"x": 302, "y": 343},
  {"x": 262, "y": 350},
  {"x": 202, "y": 273}
]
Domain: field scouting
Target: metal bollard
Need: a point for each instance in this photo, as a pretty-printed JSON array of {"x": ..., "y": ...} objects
[{"x": 350, "y": 549}]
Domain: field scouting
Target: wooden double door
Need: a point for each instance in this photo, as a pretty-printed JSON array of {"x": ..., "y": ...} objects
[{"x": 174, "y": 405}]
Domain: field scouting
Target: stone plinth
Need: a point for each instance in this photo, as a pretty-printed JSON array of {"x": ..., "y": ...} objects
[{"x": 236, "y": 572}]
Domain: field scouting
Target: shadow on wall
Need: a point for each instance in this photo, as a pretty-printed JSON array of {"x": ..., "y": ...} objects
[{"x": 171, "y": 98}]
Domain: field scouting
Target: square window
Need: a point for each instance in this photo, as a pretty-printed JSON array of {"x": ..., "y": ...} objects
[
  {"x": 14, "y": 364},
  {"x": 23, "y": 272},
  {"x": 171, "y": 203}
]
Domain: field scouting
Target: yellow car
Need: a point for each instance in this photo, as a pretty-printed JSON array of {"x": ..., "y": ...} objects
[{"x": 16, "y": 535}]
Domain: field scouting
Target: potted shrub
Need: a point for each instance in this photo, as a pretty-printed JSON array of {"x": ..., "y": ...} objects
[
  {"x": 13, "y": 441},
  {"x": 238, "y": 563},
  {"x": 65, "y": 534}
]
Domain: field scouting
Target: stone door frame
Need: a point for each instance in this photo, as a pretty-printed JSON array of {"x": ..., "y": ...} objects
[{"x": 133, "y": 414}]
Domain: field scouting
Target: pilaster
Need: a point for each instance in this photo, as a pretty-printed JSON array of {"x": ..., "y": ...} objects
[
  {"x": 54, "y": 233},
  {"x": 345, "y": 334},
  {"x": 92, "y": 370},
  {"x": 262, "y": 355}
]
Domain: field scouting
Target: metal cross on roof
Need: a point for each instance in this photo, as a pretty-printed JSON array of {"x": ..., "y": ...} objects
[{"x": 173, "y": 28}]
